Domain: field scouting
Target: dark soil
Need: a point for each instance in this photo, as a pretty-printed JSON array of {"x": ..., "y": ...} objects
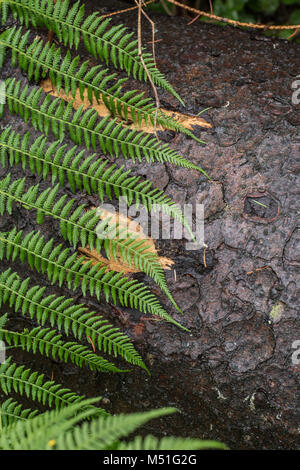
[{"x": 232, "y": 377}]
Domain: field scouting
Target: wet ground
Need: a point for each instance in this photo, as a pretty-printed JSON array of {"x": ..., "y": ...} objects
[{"x": 232, "y": 378}]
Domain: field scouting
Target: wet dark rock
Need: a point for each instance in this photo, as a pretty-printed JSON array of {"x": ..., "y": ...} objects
[
  {"x": 183, "y": 176},
  {"x": 291, "y": 249},
  {"x": 261, "y": 208},
  {"x": 156, "y": 173},
  {"x": 210, "y": 194},
  {"x": 248, "y": 344},
  {"x": 232, "y": 376},
  {"x": 186, "y": 291},
  {"x": 176, "y": 193}
]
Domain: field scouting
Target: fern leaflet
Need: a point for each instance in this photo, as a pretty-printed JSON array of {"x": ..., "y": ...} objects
[
  {"x": 101, "y": 433},
  {"x": 68, "y": 429},
  {"x": 12, "y": 411},
  {"x": 113, "y": 137},
  {"x": 45, "y": 257},
  {"x": 113, "y": 45},
  {"x": 66, "y": 316},
  {"x": 169, "y": 443},
  {"x": 82, "y": 226},
  {"x": 88, "y": 173},
  {"x": 34, "y": 386},
  {"x": 49, "y": 343},
  {"x": 41, "y": 432},
  {"x": 39, "y": 60}
]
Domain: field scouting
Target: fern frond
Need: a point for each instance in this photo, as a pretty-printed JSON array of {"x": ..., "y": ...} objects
[
  {"x": 68, "y": 429},
  {"x": 84, "y": 172},
  {"x": 45, "y": 257},
  {"x": 41, "y": 432},
  {"x": 113, "y": 44},
  {"x": 102, "y": 433},
  {"x": 76, "y": 225},
  {"x": 34, "y": 386},
  {"x": 84, "y": 127},
  {"x": 66, "y": 316},
  {"x": 170, "y": 443},
  {"x": 50, "y": 343},
  {"x": 40, "y": 60},
  {"x": 12, "y": 411},
  {"x": 81, "y": 226}
]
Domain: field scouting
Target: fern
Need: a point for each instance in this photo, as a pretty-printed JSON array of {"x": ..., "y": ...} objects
[
  {"x": 113, "y": 137},
  {"x": 103, "y": 433},
  {"x": 49, "y": 343},
  {"x": 34, "y": 386},
  {"x": 66, "y": 316},
  {"x": 88, "y": 173},
  {"x": 170, "y": 443},
  {"x": 78, "y": 226},
  {"x": 11, "y": 411},
  {"x": 113, "y": 45},
  {"x": 60, "y": 267},
  {"x": 39, "y": 60},
  {"x": 40, "y": 432},
  {"x": 68, "y": 429}
]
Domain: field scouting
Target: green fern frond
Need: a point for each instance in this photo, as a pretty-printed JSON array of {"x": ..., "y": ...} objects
[
  {"x": 63, "y": 428},
  {"x": 113, "y": 44},
  {"x": 102, "y": 433},
  {"x": 45, "y": 257},
  {"x": 170, "y": 443},
  {"x": 40, "y": 60},
  {"x": 12, "y": 411},
  {"x": 88, "y": 173},
  {"x": 84, "y": 127},
  {"x": 77, "y": 427},
  {"x": 78, "y": 226},
  {"x": 66, "y": 316},
  {"x": 50, "y": 343},
  {"x": 34, "y": 386},
  {"x": 41, "y": 432}
]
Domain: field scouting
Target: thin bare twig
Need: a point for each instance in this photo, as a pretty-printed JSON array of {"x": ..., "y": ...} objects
[
  {"x": 233, "y": 22},
  {"x": 204, "y": 258},
  {"x": 194, "y": 19},
  {"x": 140, "y": 53},
  {"x": 294, "y": 33},
  {"x": 119, "y": 12}
]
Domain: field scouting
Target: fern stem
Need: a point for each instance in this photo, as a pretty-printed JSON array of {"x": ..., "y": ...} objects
[{"x": 10, "y": 415}]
